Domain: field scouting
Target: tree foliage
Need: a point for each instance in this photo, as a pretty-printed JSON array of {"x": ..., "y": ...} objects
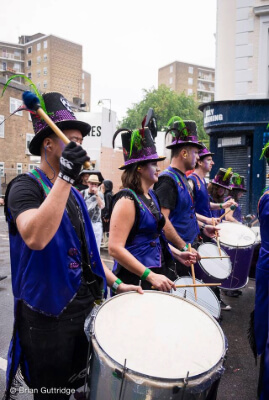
[{"x": 166, "y": 104}]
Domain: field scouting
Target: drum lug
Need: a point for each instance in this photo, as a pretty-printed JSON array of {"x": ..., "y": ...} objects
[{"x": 176, "y": 389}]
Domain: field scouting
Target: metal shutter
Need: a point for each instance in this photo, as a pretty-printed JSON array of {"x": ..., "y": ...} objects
[{"x": 237, "y": 158}]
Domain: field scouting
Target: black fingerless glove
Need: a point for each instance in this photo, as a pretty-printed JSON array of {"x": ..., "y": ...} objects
[{"x": 73, "y": 157}]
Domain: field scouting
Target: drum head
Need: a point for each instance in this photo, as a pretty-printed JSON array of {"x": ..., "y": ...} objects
[
  {"x": 236, "y": 235},
  {"x": 159, "y": 335},
  {"x": 217, "y": 268},
  {"x": 206, "y": 298}
]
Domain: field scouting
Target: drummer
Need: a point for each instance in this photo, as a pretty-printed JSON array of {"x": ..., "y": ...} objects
[
  {"x": 238, "y": 190},
  {"x": 174, "y": 192},
  {"x": 261, "y": 323},
  {"x": 217, "y": 189},
  {"x": 203, "y": 205},
  {"x": 136, "y": 238}
]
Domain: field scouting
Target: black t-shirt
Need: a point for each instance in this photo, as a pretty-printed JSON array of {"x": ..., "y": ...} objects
[{"x": 26, "y": 194}]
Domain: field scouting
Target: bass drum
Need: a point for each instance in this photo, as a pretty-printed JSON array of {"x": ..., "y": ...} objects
[{"x": 154, "y": 346}]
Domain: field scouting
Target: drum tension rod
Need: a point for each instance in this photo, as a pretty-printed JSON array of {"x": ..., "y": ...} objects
[
  {"x": 176, "y": 389},
  {"x": 121, "y": 375}
]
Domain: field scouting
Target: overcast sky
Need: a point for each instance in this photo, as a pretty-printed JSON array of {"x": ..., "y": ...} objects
[{"x": 124, "y": 42}]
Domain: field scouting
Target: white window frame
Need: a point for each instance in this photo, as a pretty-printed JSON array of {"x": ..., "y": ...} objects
[
  {"x": 38, "y": 73},
  {"x": 2, "y": 169},
  {"x": 45, "y": 58},
  {"x": 190, "y": 92},
  {"x": 45, "y": 71},
  {"x": 190, "y": 81},
  {"x": 45, "y": 84},
  {"x": 38, "y": 59},
  {"x": 2, "y": 127},
  {"x": 28, "y": 138},
  {"x": 19, "y": 168},
  {"x": 170, "y": 80},
  {"x": 171, "y": 68},
  {"x": 38, "y": 46},
  {"x": 29, "y": 63},
  {"x": 45, "y": 44},
  {"x": 14, "y": 104},
  {"x": 190, "y": 70},
  {"x": 32, "y": 166}
]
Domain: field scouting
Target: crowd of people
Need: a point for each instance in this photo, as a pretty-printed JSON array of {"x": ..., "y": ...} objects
[{"x": 60, "y": 216}]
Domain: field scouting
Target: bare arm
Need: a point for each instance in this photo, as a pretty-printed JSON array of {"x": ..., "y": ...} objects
[
  {"x": 122, "y": 220},
  {"x": 123, "y": 287},
  {"x": 38, "y": 226}
]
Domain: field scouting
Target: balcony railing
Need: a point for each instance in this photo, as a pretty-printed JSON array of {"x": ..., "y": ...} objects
[{"x": 11, "y": 56}]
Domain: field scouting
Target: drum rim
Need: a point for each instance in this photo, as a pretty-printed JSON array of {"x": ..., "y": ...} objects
[
  {"x": 206, "y": 272},
  {"x": 207, "y": 287},
  {"x": 155, "y": 378}
]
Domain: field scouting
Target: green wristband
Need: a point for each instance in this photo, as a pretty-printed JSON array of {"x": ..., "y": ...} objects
[
  {"x": 115, "y": 285},
  {"x": 220, "y": 206},
  {"x": 185, "y": 248},
  {"x": 145, "y": 274}
]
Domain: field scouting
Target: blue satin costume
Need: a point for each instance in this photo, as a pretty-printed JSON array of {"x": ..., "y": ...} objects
[
  {"x": 201, "y": 200},
  {"x": 47, "y": 280},
  {"x": 261, "y": 318},
  {"x": 183, "y": 216}
]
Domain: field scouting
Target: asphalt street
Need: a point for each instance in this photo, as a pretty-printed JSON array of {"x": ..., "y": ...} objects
[{"x": 241, "y": 375}]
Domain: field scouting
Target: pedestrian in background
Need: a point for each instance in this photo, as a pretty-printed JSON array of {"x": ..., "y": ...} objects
[{"x": 106, "y": 189}]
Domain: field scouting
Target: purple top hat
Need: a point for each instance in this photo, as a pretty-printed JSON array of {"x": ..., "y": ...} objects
[
  {"x": 238, "y": 182},
  {"x": 138, "y": 146},
  {"x": 204, "y": 152},
  {"x": 59, "y": 110},
  {"x": 223, "y": 177},
  {"x": 183, "y": 132}
]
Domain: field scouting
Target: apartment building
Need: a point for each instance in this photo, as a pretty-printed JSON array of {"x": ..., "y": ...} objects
[
  {"x": 193, "y": 80},
  {"x": 52, "y": 63}
]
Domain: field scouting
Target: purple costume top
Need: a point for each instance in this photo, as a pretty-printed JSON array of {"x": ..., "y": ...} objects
[
  {"x": 201, "y": 198},
  {"x": 237, "y": 214},
  {"x": 261, "y": 319}
]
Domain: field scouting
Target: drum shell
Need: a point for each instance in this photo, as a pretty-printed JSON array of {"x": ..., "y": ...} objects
[
  {"x": 241, "y": 258},
  {"x": 105, "y": 382}
]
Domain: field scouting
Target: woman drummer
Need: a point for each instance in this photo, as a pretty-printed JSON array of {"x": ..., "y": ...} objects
[
  {"x": 217, "y": 189},
  {"x": 136, "y": 239},
  {"x": 238, "y": 190}
]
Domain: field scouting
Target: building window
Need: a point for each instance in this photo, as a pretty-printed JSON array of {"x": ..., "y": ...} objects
[
  {"x": 2, "y": 168},
  {"x": 83, "y": 75},
  {"x": 189, "y": 92},
  {"x": 38, "y": 46},
  {"x": 38, "y": 85},
  {"x": 38, "y": 60},
  {"x": 45, "y": 70},
  {"x": 82, "y": 86},
  {"x": 190, "y": 81},
  {"x": 32, "y": 166},
  {"x": 170, "y": 81},
  {"x": 45, "y": 57},
  {"x": 17, "y": 67},
  {"x": 19, "y": 168},
  {"x": 17, "y": 54},
  {"x": 4, "y": 66},
  {"x": 171, "y": 69},
  {"x": 45, "y": 84},
  {"x": 14, "y": 105},
  {"x": 29, "y": 50},
  {"x": 29, "y": 75},
  {"x": 29, "y": 63},
  {"x": 2, "y": 126},
  {"x": 45, "y": 44},
  {"x": 38, "y": 73},
  {"x": 190, "y": 70},
  {"x": 29, "y": 137}
]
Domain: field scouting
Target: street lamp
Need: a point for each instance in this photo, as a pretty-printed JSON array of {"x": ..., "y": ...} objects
[{"x": 100, "y": 102}]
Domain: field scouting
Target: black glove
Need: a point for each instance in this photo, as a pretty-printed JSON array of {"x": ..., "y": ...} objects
[{"x": 73, "y": 157}]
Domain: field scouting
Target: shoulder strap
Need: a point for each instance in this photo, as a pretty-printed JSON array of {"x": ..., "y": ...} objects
[
  {"x": 197, "y": 180},
  {"x": 40, "y": 180},
  {"x": 175, "y": 176}
]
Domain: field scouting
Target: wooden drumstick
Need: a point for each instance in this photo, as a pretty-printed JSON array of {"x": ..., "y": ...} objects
[
  {"x": 198, "y": 285},
  {"x": 213, "y": 257},
  {"x": 217, "y": 235},
  {"x": 232, "y": 208},
  {"x": 193, "y": 274}
]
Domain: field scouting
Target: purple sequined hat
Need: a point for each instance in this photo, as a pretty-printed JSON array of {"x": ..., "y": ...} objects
[
  {"x": 223, "y": 178},
  {"x": 138, "y": 146},
  {"x": 183, "y": 132},
  {"x": 59, "y": 110},
  {"x": 204, "y": 152},
  {"x": 238, "y": 182}
]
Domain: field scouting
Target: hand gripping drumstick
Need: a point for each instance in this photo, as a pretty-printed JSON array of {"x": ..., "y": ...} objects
[
  {"x": 32, "y": 103},
  {"x": 193, "y": 275}
]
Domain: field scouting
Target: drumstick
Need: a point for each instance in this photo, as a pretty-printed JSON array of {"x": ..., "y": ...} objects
[
  {"x": 32, "y": 103},
  {"x": 213, "y": 257},
  {"x": 198, "y": 285},
  {"x": 231, "y": 209},
  {"x": 217, "y": 236},
  {"x": 193, "y": 274}
]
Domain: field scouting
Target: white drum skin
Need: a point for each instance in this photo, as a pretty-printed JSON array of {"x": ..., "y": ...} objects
[
  {"x": 218, "y": 269},
  {"x": 233, "y": 234},
  {"x": 163, "y": 338}
]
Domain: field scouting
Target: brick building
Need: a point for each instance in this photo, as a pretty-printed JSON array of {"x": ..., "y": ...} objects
[{"x": 189, "y": 78}]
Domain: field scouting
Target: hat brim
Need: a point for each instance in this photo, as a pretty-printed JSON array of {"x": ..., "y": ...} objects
[
  {"x": 184, "y": 143},
  {"x": 37, "y": 140},
  {"x": 206, "y": 155},
  {"x": 122, "y": 167},
  {"x": 224, "y": 187},
  {"x": 239, "y": 189}
]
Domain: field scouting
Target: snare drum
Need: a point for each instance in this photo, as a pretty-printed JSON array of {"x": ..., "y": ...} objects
[
  {"x": 215, "y": 269},
  {"x": 154, "y": 346},
  {"x": 238, "y": 241},
  {"x": 206, "y": 298}
]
